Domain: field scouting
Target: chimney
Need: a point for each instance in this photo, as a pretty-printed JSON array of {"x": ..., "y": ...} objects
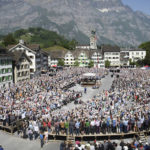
[{"x": 21, "y": 41}]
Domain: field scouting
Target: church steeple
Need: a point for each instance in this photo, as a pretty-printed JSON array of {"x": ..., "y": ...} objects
[{"x": 93, "y": 40}]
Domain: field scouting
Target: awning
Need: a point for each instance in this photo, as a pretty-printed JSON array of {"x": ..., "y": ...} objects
[{"x": 89, "y": 74}]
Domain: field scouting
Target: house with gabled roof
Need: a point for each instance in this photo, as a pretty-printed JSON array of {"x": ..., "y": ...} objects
[
  {"x": 33, "y": 51},
  {"x": 21, "y": 66}
]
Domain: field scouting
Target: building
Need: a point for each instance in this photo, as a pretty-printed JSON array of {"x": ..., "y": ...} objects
[
  {"x": 82, "y": 57},
  {"x": 21, "y": 66},
  {"x": 6, "y": 75},
  {"x": 33, "y": 51},
  {"x": 56, "y": 55},
  {"x": 124, "y": 58},
  {"x": 69, "y": 59},
  {"x": 136, "y": 54},
  {"x": 97, "y": 58},
  {"x": 93, "y": 43},
  {"x": 112, "y": 54},
  {"x": 93, "y": 40},
  {"x": 45, "y": 60}
]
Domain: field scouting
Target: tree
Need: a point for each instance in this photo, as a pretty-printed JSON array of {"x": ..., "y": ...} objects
[
  {"x": 107, "y": 63},
  {"x": 140, "y": 63},
  {"x": 76, "y": 63},
  {"x": 132, "y": 63},
  {"x": 9, "y": 40},
  {"x": 91, "y": 64},
  {"x": 146, "y": 46},
  {"x": 61, "y": 62}
]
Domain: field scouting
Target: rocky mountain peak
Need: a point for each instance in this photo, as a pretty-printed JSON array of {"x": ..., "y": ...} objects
[{"x": 113, "y": 21}]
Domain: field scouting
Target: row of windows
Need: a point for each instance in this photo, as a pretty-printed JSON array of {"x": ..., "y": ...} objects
[
  {"x": 69, "y": 59},
  {"x": 111, "y": 53},
  {"x": 5, "y": 78},
  {"x": 95, "y": 58},
  {"x": 5, "y": 62},
  {"x": 5, "y": 70},
  {"x": 21, "y": 74},
  {"x": 69, "y": 63},
  {"x": 23, "y": 67},
  {"x": 111, "y": 57},
  {"x": 69, "y": 55},
  {"x": 137, "y": 53}
]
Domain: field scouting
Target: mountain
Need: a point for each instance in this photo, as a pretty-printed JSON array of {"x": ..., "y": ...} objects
[{"x": 113, "y": 21}]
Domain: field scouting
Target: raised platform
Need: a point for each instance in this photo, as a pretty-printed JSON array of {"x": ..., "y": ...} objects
[
  {"x": 84, "y": 137},
  {"x": 101, "y": 136}
]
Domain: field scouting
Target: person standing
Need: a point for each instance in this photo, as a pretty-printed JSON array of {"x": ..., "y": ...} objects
[
  {"x": 42, "y": 140},
  {"x": 1, "y": 148},
  {"x": 85, "y": 90}
]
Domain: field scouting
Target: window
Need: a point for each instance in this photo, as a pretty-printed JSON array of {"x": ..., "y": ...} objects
[
  {"x": 3, "y": 71},
  {"x": 31, "y": 57},
  {"x": 6, "y": 70}
]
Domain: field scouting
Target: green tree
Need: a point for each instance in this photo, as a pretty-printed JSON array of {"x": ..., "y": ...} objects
[
  {"x": 91, "y": 64},
  {"x": 107, "y": 63},
  {"x": 140, "y": 63},
  {"x": 72, "y": 44},
  {"x": 76, "y": 63},
  {"x": 146, "y": 46},
  {"x": 9, "y": 40},
  {"x": 131, "y": 62},
  {"x": 61, "y": 62}
]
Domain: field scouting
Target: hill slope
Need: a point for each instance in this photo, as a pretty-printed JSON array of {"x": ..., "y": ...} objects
[{"x": 41, "y": 36}]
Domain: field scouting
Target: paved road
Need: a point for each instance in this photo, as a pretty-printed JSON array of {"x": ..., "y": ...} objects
[
  {"x": 105, "y": 85},
  {"x": 10, "y": 142}
]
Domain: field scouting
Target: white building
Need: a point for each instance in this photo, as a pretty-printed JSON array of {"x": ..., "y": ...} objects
[
  {"x": 33, "y": 52},
  {"x": 98, "y": 60},
  {"x": 136, "y": 54},
  {"x": 69, "y": 59},
  {"x": 112, "y": 54},
  {"x": 6, "y": 75}
]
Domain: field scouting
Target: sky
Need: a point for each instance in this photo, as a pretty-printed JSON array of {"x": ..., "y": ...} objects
[{"x": 141, "y": 5}]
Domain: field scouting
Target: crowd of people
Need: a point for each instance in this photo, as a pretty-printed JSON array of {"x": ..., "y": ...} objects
[
  {"x": 36, "y": 105},
  {"x": 30, "y": 104},
  {"x": 108, "y": 145},
  {"x": 123, "y": 108}
]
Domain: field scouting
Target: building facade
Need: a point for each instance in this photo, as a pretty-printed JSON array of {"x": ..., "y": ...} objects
[
  {"x": 112, "y": 54},
  {"x": 34, "y": 52},
  {"x": 136, "y": 54},
  {"x": 98, "y": 60},
  {"x": 21, "y": 66},
  {"x": 6, "y": 75},
  {"x": 69, "y": 59}
]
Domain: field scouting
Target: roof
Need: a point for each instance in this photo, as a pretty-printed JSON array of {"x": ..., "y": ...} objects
[
  {"x": 33, "y": 46},
  {"x": 10, "y": 46},
  {"x": 57, "y": 54},
  {"x": 4, "y": 52},
  {"x": 89, "y": 53},
  {"x": 110, "y": 48},
  {"x": 16, "y": 55},
  {"x": 137, "y": 49},
  {"x": 45, "y": 53}
]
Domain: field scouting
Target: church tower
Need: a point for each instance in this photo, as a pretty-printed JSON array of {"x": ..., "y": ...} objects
[{"x": 93, "y": 40}]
